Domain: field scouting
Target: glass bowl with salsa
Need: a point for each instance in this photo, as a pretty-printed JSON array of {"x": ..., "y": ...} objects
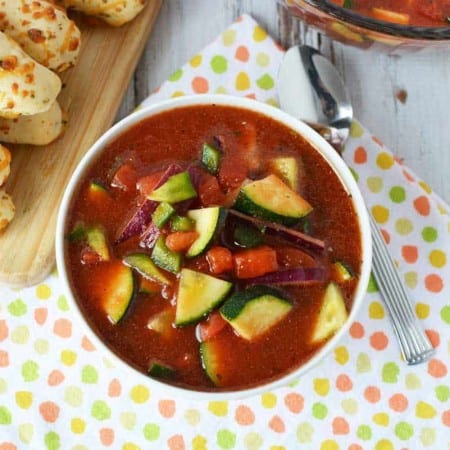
[
  {"x": 379, "y": 24},
  {"x": 213, "y": 244}
]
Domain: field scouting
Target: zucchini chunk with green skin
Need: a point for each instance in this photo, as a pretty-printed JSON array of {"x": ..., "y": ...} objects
[
  {"x": 210, "y": 356},
  {"x": 144, "y": 265},
  {"x": 162, "y": 321},
  {"x": 160, "y": 370},
  {"x": 162, "y": 214},
  {"x": 176, "y": 189},
  {"x": 254, "y": 311},
  {"x": 332, "y": 315},
  {"x": 342, "y": 271},
  {"x": 211, "y": 158},
  {"x": 165, "y": 258},
  {"x": 181, "y": 223},
  {"x": 198, "y": 294},
  {"x": 96, "y": 240},
  {"x": 286, "y": 168},
  {"x": 271, "y": 199},
  {"x": 208, "y": 222}
]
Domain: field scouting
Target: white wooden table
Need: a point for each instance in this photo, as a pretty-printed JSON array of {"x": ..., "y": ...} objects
[{"x": 417, "y": 130}]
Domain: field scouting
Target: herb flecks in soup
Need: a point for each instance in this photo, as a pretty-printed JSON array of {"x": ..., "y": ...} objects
[{"x": 213, "y": 248}]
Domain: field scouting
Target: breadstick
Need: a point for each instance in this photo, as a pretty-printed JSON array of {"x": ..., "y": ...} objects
[
  {"x": 43, "y": 30},
  {"x": 5, "y": 161},
  {"x": 7, "y": 210}
]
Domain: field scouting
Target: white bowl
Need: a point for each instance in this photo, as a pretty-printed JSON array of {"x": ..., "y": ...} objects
[{"x": 322, "y": 147}]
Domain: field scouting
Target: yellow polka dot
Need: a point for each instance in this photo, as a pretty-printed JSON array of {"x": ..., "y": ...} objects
[
  {"x": 199, "y": 443},
  {"x": 77, "y": 426},
  {"x": 24, "y": 399},
  {"x": 196, "y": 60},
  {"x": 277, "y": 447},
  {"x": 322, "y": 386},
  {"x": 130, "y": 446},
  {"x": 263, "y": 59},
  {"x": 68, "y": 357},
  {"x": 329, "y": 445},
  {"x": 380, "y": 213},
  {"x": 178, "y": 94},
  {"x": 218, "y": 408},
  {"x": 425, "y": 187},
  {"x": 376, "y": 310},
  {"x": 139, "y": 394},
  {"x": 438, "y": 258},
  {"x": 43, "y": 292},
  {"x": 381, "y": 419},
  {"x": 350, "y": 406},
  {"x": 425, "y": 410},
  {"x": 411, "y": 279},
  {"x": 221, "y": 90},
  {"x": 269, "y": 400},
  {"x": 242, "y": 81},
  {"x": 192, "y": 417},
  {"x": 259, "y": 34},
  {"x": 228, "y": 37},
  {"x": 341, "y": 355},
  {"x": 384, "y": 444},
  {"x": 422, "y": 310},
  {"x": 385, "y": 161},
  {"x": 273, "y": 102}
]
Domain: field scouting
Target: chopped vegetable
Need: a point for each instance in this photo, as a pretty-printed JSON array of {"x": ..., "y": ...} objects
[
  {"x": 255, "y": 262},
  {"x": 181, "y": 223},
  {"x": 246, "y": 235},
  {"x": 341, "y": 271},
  {"x": 165, "y": 258},
  {"x": 162, "y": 214},
  {"x": 299, "y": 275},
  {"x": 211, "y": 326},
  {"x": 286, "y": 168},
  {"x": 97, "y": 193},
  {"x": 96, "y": 240},
  {"x": 160, "y": 370},
  {"x": 181, "y": 241},
  {"x": 143, "y": 264},
  {"x": 211, "y": 158},
  {"x": 125, "y": 177},
  {"x": 212, "y": 361},
  {"x": 220, "y": 260},
  {"x": 176, "y": 189},
  {"x": 162, "y": 322}
]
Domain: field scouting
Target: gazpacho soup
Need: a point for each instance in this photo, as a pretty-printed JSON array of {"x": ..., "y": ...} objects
[{"x": 213, "y": 248}]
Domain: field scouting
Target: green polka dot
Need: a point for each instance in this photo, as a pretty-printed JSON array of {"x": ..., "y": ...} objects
[
  {"x": 404, "y": 226},
  {"x": 100, "y": 410},
  {"x": 52, "y": 441},
  {"x": 89, "y": 375},
  {"x": 41, "y": 346},
  {"x": 356, "y": 130},
  {"x": 73, "y": 395},
  {"x": 151, "y": 431},
  {"x": 305, "y": 432},
  {"x": 319, "y": 410},
  {"x": 265, "y": 82},
  {"x": 429, "y": 234},
  {"x": 262, "y": 59},
  {"x": 253, "y": 441},
  {"x": 411, "y": 279},
  {"x": 427, "y": 436},
  {"x": 364, "y": 432},
  {"x": 404, "y": 431},
  {"x": 26, "y": 432},
  {"x": 226, "y": 439},
  {"x": 128, "y": 420},
  {"x": 397, "y": 194},
  {"x": 20, "y": 335},
  {"x": 442, "y": 393},
  {"x": 445, "y": 314},
  {"x": 17, "y": 308},
  {"x": 30, "y": 371},
  {"x": 5, "y": 416},
  {"x": 62, "y": 303},
  {"x": 219, "y": 64},
  {"x": 375, "y": 184},
  {"x": 363, "y": 364},
  {"x": 3, "y": 385},
  {"x": 372, "y": 286},
  {"x": 176, "y": 75},
  {"x": 390, "y": 372}
]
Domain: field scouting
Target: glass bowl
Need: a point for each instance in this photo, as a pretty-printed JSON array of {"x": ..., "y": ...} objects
[{"x": 354, "y": 29}]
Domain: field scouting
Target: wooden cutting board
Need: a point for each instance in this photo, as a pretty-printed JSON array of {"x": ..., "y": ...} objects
[{"x": 92, "y": 93}]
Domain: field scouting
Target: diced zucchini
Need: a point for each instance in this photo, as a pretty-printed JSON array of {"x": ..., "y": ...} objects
[
  {"x": 332, "y": 315},
  {"x": 165, "y": 258},
  {"x": 96, "y": 240},
  {"x": 211, "y": 158},
  {"x": 160, "y": 370},
  {"x": 148, "y": 287},
  {"x": 162, "y": 322},
  {"x": 181, "y": 223},
  {"x": 208, "y": 222},
  {"x": 210, "y": 356},
  {"x": 144, "y": 265},
  {"x": 286, "y": 168},
  {"x": 118, "y": 291},
  {"x": 97, "y": 191},
  {"x": 271, "y": 199},
  {"x": 176, "y": 189},
  {"x": 342, "y": 271},
  {"x": 162, "y": 214},
  {"x": 254, "y": 311},
  {"x": 78, "y": 233},
  {"x": 198, "y": 294},
  {"x": 247, "y": 236}
]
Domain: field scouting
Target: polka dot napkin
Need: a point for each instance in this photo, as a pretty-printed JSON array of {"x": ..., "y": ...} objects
[{"x": 58, "y": 392}]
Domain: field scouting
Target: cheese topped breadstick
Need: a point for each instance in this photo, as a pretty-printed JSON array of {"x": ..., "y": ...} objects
[{"x": 5, "y": 161}]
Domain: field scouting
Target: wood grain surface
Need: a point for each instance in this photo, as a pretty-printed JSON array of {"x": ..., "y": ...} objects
[{"x": 92, "y": 94}]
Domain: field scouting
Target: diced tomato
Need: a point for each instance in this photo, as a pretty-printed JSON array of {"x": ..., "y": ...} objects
[
  {"x": 180, "y": 241},
  {"x": 125, "y": 177},
  {"x": 232, "y": 172},
  {"x": 147, "y": 184},
  {"x": 212, "y": 326},
  {"x": 210, "y": 192},
  {"x": 255, "y": 262},
  {"x": 290, "y": 257},
  {"x": 88, "y": 256},
  {"x": 220, "y": 260}
]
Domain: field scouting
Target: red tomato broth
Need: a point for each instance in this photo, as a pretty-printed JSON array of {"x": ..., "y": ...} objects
[{"x": 177, "y": 136}]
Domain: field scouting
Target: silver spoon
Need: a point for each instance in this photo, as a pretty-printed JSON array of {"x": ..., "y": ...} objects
[{"x": 311, "y": 89}]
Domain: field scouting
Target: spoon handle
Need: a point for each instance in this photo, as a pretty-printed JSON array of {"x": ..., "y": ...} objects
[{"x": 414, "y": 343}]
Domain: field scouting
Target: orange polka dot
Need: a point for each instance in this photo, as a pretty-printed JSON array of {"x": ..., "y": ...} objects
[
  {"x": 176, "y": 442},
  {"x": 4, "y": 358},
  {"x": 372, "y": 394},
  {"x": 3, "y": 330},
  {"x": 398, "y": 402},
  {"x": 63, "y": 328},
  {"x": 49, "y": 411},
  {"x": 446, "y": 418},
  {"x": 437, "y": 368},
  {"x": 56, "y": 377},
  {"x": 410, "y": 253},
  {"x": 379, "y": 341},
  {"x": 340, "y": 426},
  {"x": 87, "y": 344},
  {"x": 360, "y": 156},
  {"x": 200, "y": 85},
  {"x": 422, "y": 205},
  {"x": 294, "y": 402},
  {"x": 40, "y": 315},
  {"x": 166, "y": 408},
  {"x": 251, "y": 96},
  {"x": 115, "y": 388},
  {"x": 357, "y": 330},
  {"x": 408, "y": 176},
  {"x": 344, "y": 383},
  {"x": 242, "y": 53},
  {"x": 244, "y": 415},
  {"x": 386, "y": 235},
  {"x": 377, "y": 141},
  {"x": 276, "y": 424},
  {"x": 355, "y": 447},
  {"x": 107, "y": 436},
  {"x": 7, "y": 446},
  {"x": 434, "y": 283},
  {"x": 434, "y": 337}
]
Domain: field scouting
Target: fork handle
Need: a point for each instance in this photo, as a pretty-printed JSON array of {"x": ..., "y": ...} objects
[{"x": 414, "y": 343}]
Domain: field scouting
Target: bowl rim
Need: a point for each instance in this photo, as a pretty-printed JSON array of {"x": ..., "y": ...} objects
[
  {"x": 407, "y": 31},
  {"x": 321, "y": 146}
]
